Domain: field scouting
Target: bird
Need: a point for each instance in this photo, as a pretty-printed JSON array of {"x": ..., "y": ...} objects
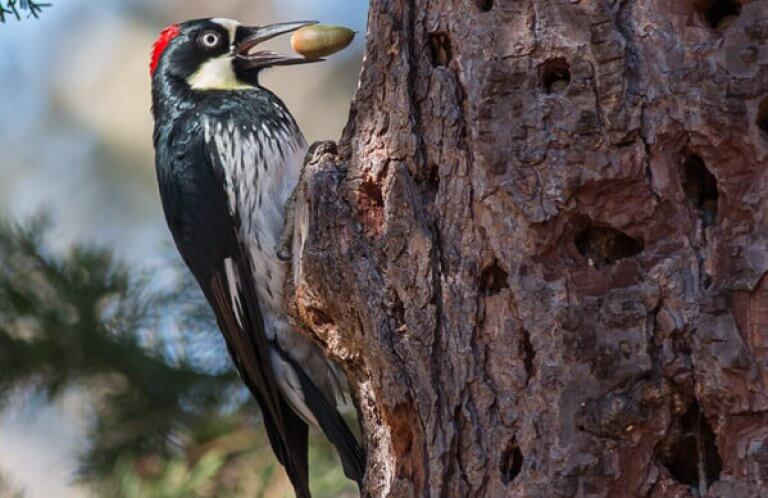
[{"x": 228, "y": 156}]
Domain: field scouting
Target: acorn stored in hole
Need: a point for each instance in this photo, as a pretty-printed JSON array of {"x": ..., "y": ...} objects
[{"x": 319, "y": 40}]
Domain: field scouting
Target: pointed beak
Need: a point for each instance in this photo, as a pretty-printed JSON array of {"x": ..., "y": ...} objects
[{"x": 250, "y": 37}]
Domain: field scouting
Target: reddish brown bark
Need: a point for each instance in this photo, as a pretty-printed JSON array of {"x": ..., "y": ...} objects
[{"x": 540, "y": 251}]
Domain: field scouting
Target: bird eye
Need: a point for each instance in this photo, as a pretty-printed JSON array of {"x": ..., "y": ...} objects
[{"x": 209, "y": 39}]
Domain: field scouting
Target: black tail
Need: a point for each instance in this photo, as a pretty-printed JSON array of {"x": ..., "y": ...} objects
[
  {"x": 291, "y": 453},
  {"x": 288, "y": 436},
  {"x": 287, "y": 432},
  {"x": 335, "y": 428}
]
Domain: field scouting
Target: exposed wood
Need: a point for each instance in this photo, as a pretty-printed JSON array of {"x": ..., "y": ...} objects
[{"x": 540, "y": 250}]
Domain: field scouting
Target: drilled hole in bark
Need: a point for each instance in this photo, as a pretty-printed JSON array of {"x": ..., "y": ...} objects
[
  {"x": 493, "y": 279},
  {"x": 484, "y": 5},
  {"x": 528, "y": 354},
  {"x": 604, "y": 245},
  {"x": 372, "y": 191},
  {"x": 692, "y": 456},
  {"x": 762, "y": 119},
  {"x": 511, "y": 462},
  {"x": 398, "y": 311},
  {"x": 433, "y": 176},
  {"x": 719, "y": 14},
  {"x": 700, "y": 188},
  {"x": 319, "y": 318},
  {"x": 440, "y": 46},
  {"x": 555, "y": 75},
  {"x": 371, "y": 202}
]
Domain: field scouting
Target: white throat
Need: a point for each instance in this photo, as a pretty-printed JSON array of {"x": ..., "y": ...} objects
[{"x": 217, "y": 74}]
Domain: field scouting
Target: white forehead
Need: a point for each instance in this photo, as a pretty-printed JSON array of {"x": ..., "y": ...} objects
[{"x": 228, "y": 24}]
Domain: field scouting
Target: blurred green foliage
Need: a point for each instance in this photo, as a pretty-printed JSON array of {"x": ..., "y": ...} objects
[
  {"x": 175, "y": 479},
  {"x": 169, "y": 417},
  {"x": 8, "y": 490},
  {"x": 77, "y": 320}
]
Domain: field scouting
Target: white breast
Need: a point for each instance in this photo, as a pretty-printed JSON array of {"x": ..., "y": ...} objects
[
  {"x": 260, "y": 177},
  {"x": 261, "y": 169}
]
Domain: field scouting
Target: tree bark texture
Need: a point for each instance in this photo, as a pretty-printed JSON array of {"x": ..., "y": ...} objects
[{"x": 540, "y": 249}]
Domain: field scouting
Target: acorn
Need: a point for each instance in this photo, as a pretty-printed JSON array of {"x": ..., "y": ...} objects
[{"x": 319, "y": 40}]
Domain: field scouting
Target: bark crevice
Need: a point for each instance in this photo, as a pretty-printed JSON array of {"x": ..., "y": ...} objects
[{"x": 543, "y": 243}]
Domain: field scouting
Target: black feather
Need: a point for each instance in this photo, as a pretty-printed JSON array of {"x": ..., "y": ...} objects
[
  {"x": 205, "y": 234},
  {"x": 333, "y": 426},
  {"x": 197, "y": 208}
]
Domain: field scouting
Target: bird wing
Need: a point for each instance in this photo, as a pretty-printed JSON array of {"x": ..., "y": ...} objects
[
  {"x": 260, "y": 161},
  {"x": 206, "y": 234}
]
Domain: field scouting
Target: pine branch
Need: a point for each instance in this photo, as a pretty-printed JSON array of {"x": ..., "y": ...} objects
[
  {"x": 85, "y": 319},
  {"x": 15, "y": 9}
]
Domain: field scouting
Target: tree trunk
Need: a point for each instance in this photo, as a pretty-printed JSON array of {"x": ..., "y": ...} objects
[{"x": 539, "y": 251}]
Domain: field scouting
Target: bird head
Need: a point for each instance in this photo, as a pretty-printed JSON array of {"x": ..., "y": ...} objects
[{"x": 218, "y": 54}]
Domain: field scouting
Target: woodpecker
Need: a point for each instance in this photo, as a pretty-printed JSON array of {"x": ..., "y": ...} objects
[{"x": 228, "y": 155}]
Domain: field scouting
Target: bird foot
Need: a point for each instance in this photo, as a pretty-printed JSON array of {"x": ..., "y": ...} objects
[{"x": 317, "y": 149}]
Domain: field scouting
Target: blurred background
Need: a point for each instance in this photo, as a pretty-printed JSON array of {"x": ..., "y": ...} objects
[{"x": 113, "y": 379}]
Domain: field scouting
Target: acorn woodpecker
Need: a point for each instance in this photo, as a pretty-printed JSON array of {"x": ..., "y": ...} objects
[{"x": 228, "y": 156}]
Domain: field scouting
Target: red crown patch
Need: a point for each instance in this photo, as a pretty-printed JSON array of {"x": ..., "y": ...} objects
[{"x": 162, "y": 41}]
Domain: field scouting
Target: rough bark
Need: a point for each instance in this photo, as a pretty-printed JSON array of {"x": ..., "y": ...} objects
[{"x": 540, "y": 250}]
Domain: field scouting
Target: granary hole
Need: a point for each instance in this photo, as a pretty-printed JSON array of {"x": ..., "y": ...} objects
[
  {"x": 371, "y": 203},
  {"x": 440, "y": 48},
  {"x": 372, "y": 192},
  {"x": 528, "y": 354},
  {"x": 433, "y": 176},
  {"x": 484, "y": 5},
  {"x": 555, "y": 75},
  {"x": 604, "y": 245},
  {"x": 700, "y": 188},
  {"x": 398, "y": 311},
  {"x": 318, "y": 318},
  {"x": 493, "y": 279},
  {"x": 719, "y": 14},
  {"x": 511, "y": 462},
  {"x": 691, "y": 454},
  {"x": 762, "y": 118}
]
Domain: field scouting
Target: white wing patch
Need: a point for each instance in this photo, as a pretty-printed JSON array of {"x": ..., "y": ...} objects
[
  {"x": 289, "y": 383},
  {"x": 233, "y": 284}
]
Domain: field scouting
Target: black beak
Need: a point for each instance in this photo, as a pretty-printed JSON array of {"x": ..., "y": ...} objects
[{"x": 249, "y": 37}]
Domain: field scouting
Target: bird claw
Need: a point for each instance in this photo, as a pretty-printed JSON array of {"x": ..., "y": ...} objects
[{"x": 318, "y": 149}]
